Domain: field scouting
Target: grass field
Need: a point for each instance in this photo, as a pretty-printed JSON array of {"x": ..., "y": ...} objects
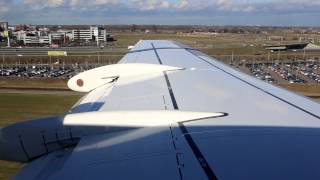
[
  {"x": 242, "y": 46},
  {"x": 52, "y": 84},
  {"x": 222, "y": 44},
  {"x": 310, "y": 90},
  {"x": 17, "y": 107}
]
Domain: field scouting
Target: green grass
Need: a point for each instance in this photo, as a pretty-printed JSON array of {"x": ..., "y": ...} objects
[
  {"x": 33, "y": 83},
  {"x": 242, "y": 46},
  {"x": 311, "y": 90},
  {"x": 8, "y": 169},
  {"x": 17, "y": 107}
]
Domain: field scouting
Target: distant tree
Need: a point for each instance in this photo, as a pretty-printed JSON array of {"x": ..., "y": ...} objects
[
  {"x": 133, "y": 28},
  {"x": 295, "y": 38},
  {"x": 154, "y": 28}
]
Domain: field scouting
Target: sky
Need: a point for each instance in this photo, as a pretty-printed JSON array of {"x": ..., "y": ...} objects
[{"x": 163, "y": 12}]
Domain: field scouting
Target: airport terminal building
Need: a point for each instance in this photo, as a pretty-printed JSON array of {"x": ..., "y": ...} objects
[
  {"x": 38, "y": 37},
  {"x": 90, "y": 34}
]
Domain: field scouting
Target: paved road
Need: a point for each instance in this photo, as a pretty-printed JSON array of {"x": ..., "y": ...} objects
[
  {"x": 41, "y": 51},
  {"x": 38, "y": 91}
]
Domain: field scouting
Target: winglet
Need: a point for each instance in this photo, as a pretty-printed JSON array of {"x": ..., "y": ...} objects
[
  {"x": 91, "y": 79},
  {"x": 135, "y": 118}
]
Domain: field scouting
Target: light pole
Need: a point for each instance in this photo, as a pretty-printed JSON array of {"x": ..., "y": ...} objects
[
  {"x": 232, "y": 57},
  {"x": 2, "y": 61},
  {"x": 253, "y": 50},
  {"x": 19, "y": 55},
  {"x": 98, "y": 57},
  {"x": 279, "y": 54}
]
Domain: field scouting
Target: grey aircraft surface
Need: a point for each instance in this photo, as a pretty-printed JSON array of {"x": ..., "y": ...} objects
[{"x": 167, "y": 111}]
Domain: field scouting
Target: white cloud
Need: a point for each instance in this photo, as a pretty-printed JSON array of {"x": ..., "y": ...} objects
[
  {"x": 305, "y": 2},
  {"x": 232, "y": 6},
  {"x": 149, "y": 5},
  {"x": 55, "y": 3},
  {"x": 180, "y": 5},
  {"x": 40, "y": 4},
  {"x": 224, "y": 4},
  {"x": 184, "y": 4},
  {"x": 165, "y": 4},
  {"x": 73, "y": 3},
  {"x": 104, "y": 2},
  {"x": 4, "y": 8},
  {"x": 209, "y": 9}
]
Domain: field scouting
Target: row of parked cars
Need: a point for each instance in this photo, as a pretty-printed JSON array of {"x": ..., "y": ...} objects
[
  {"x": 308, "y": 69},
  {"x": 258, "y": 71},
  {"x": 286, "y": 74},
  {"x": 299, "y": 72},
  {"x": 42, "y": 71}
]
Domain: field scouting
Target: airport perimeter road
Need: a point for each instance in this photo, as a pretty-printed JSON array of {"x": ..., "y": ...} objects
[{"x": 42, "y": 51}]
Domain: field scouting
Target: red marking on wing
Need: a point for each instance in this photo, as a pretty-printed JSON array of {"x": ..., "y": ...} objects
[{"x": 80, "y": 82}]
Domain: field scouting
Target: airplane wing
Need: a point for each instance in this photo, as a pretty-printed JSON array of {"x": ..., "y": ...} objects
[{"x": 167, "y": 111}]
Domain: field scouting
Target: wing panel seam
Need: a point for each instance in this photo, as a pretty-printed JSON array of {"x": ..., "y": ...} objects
[
  {"x": 195, "y": 149},
  {"x": 154, "y": 48},
  {"x": 277, "y": 97}
]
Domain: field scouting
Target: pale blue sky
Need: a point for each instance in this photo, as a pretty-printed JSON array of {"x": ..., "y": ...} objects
[{"x": 206, "y": 12}]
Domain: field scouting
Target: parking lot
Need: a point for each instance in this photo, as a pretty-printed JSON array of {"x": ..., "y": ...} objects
[
  {"x": 43, "y": 71},
  {"x": 279, "y": 72},
  {"x": 292, "y": 72}
]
